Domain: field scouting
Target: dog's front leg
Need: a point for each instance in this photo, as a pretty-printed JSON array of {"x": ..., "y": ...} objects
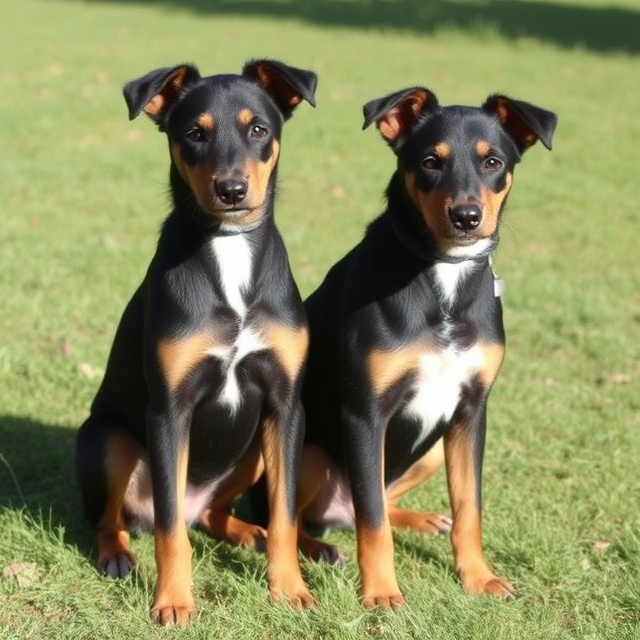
[
  {"x": 464, "y": 450},
  {"x": 168, "y": 447},
  {"x": 365, "y": 442},
  {"x": 282, "y": 435}
]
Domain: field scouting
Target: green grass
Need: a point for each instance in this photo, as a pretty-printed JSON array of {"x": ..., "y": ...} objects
[{"x": 84, "y": 193}]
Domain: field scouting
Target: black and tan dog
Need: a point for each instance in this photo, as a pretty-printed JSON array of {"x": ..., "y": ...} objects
[
  {"x": 407, "y": 338},
  {"x": 201, "y": 391}
]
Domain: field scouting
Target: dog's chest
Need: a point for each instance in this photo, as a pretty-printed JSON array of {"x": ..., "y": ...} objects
[
  {"x": 442, "y": 374},
  {"x": 439, "y": 381},
  {"x": 234, "y": 261}
]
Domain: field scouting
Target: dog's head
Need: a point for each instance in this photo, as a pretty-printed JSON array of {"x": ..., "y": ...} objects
[
  {"x": 224, "y": 133},
  {"x": 456, "y": 163}
]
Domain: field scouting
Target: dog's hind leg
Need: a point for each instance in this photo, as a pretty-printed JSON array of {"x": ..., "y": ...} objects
[
  {"x": 105, "y": 459},
  {"x": 218, "y": 520},
  {"x": 423, "y": 469}
]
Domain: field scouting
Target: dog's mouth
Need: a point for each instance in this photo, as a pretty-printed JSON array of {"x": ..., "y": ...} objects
[
  {"x": 222, "y": 211},
  {"x": 232, "y": 212},
  {"x": 232, "y": 217},
  {"x": 469, "y": 246},
  {"x": 466, "y": 240},
  {"x": 238, "y": 219}
]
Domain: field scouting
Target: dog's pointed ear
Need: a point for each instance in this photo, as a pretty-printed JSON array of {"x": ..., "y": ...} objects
[
  {"x": 524, "y": 122},
  {"x": 156, "y": 91},
  {"x": 288, "y": 86},
  {"x": 396, "y": 115}
]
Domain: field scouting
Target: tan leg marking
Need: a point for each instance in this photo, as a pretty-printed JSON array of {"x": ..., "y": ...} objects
[
  {"x": 218, "y": 520},
  {"x": 375, "y": 559},
  {"x": 114, "y": 557},
  {"x": 493, "y": 357},
  {"x": 315, "y": 470},
  {"x": 387, "y": 367},
  {"x": 174, "y": 603},
  {"x": 289, "y": 345},
  {"x": 283, "y": 568},
  {"x": 177, "y": 358},
  {"x": 466, "y": 534},
  {"x": 419, "y": 472}
]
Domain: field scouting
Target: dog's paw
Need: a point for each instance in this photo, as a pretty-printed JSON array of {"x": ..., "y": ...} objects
[
  {"x": 430, "y": 523},
  {"x": 251, "y": 536},
  {"x": 302, "y": 600},
  {"x": 171, "y": 615},
  {"x": 259, "y": 542},
  {"x": 221, "y": 524},
  {"x": 500, "y": 588},
  {"x": 436, "y": 524},
  {"x": 319, "y": 551},
  {"x": 490, "y": 585},
  {"x": 298, "y": 596},
  {"x": 388, "y": 601},
  {"x": 115, "y": 560},
  {"x": 118, "y": 566},
  {"x": 330, "y": 554}
]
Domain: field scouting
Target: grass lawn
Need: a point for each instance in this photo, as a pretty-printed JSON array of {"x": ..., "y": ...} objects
[{"x": 84, "y": 193}]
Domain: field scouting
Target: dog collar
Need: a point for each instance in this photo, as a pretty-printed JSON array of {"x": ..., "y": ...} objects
[
  {"x": 499, "y": 286},
  {"x": 444, "y": 257},
  {"x": 424, "y": 253},
  {"x": 236, "y": 230}
]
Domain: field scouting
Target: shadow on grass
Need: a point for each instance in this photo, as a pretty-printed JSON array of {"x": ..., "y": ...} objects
[
  {"x": 37, "y": 474},
  {"x": 601, "y": 29}
]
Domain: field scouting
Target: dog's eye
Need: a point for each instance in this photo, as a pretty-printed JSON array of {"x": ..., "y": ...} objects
[
  {"x": 432, "y": 163},
  {"x": 493, "y": 164},
  {"x": 196, "y": 135},
  {"x": 258, "y": 131}
]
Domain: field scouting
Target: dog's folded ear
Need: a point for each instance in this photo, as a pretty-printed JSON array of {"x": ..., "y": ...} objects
[
  {"x": 524, "y": 122},
  {"x": 288, "y": 86},
  {"x": 396, "y": 115},
  {"x": 156, "y": 91}
]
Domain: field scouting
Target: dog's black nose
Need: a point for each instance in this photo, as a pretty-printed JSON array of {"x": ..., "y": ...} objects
[
  {"x": 465, "y": 217},
  {"x": 231, "y": 191}
]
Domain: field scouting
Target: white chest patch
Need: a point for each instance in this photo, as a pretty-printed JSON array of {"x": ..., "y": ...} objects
[
  {"x": 234, "y": 259},
  {"x": 449, "y": 276},
  {"x": 248, "y": 341},
  {"x": 441, "y": 377}
]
